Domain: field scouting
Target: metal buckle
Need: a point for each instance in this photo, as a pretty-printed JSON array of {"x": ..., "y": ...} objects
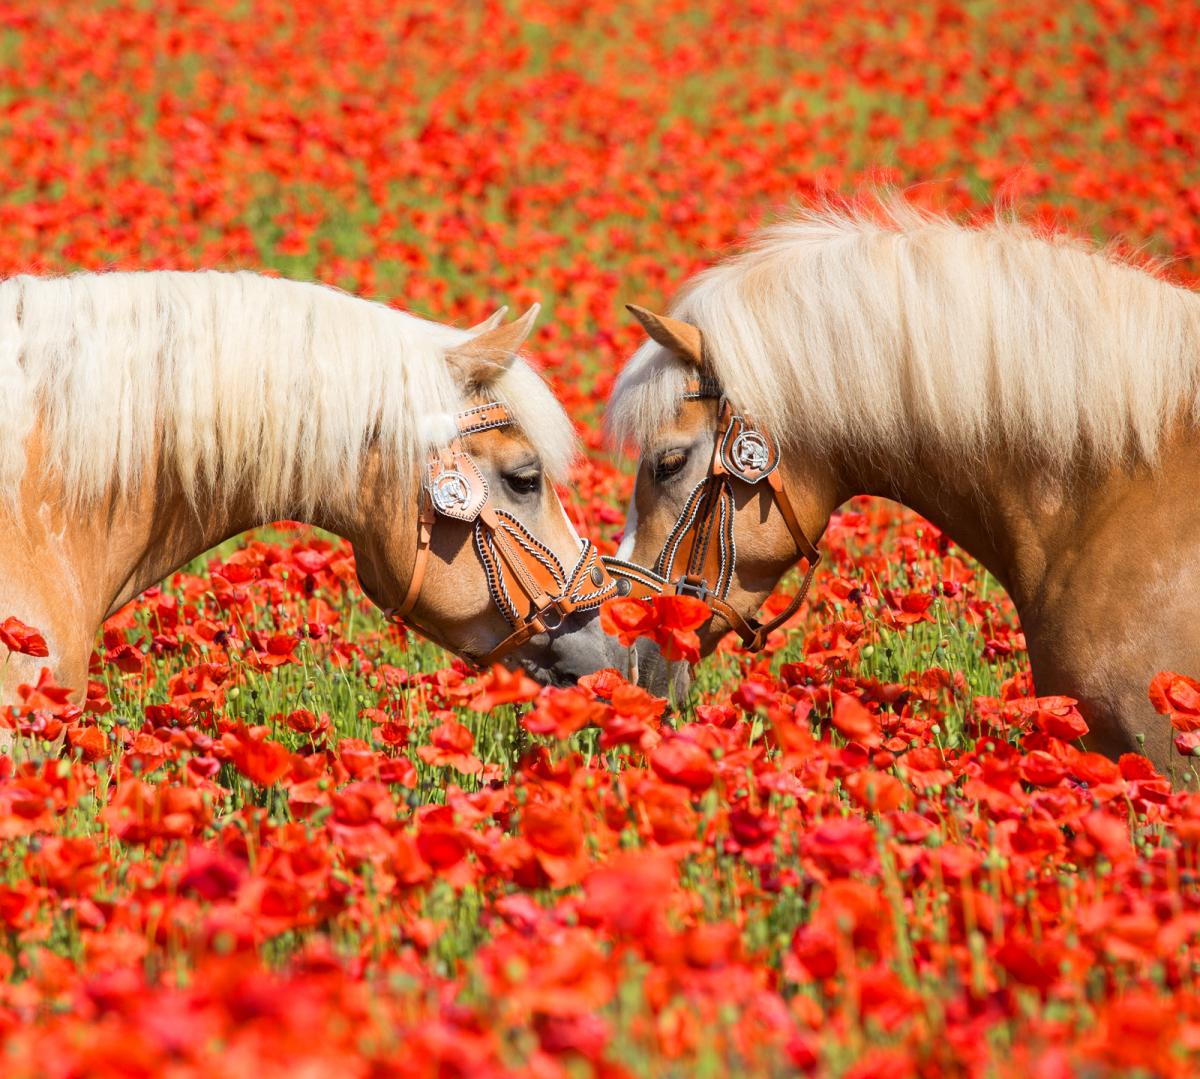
[
  {"x": 697, "y": 587},
  {"x": 556, "y": 606}
]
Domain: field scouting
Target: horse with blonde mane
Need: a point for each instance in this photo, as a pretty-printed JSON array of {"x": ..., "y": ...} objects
[
  {"x": 146, "y": 417},
  {"x": 1035, "y": 398}
]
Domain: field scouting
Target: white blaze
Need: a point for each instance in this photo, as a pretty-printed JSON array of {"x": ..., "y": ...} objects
[
  {"x": 625, "y": 550},
  {"x": 570, "y": 526}
]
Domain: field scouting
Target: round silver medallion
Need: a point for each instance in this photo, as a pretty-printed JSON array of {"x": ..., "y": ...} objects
[
  {"x": 450, "y": 491},
  {"x": 750, "y": 452}
]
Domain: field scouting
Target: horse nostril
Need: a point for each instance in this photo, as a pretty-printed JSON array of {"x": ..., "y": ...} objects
[
  {"x": 597, "y": 576},
  {"x": 624, "y": 586}
]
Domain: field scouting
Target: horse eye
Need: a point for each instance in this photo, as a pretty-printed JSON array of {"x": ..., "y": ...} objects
[
  {"x": 525, "y": 481},
  {"x": 670, "y": 463}
]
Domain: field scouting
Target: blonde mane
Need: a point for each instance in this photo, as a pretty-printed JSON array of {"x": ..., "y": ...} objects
[
  {"x": 233, "y": 381},
  {"x": 876, "y": 333}
]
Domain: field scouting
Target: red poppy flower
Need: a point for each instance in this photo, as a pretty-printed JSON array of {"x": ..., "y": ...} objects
[
  {"x": 1177, "y": 696},
  {"x": 502, "y": 686},
  {"x": 561, "y": 712},
  {"x": 627, "y": 619},
  {"x": 47, "y": 695},
  {"x": 681, "y": 761},
  {"x": 1059, "y": 718},
  {"x": 450, "y": 745},
  {"x": 18, "y": 637},
  {"x": 555, "y": 833},
  {"x": 855, "y": 721},
  {"x": 259, "y": 759}
]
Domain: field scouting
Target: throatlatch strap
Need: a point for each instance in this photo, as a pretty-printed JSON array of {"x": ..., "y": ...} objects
[{"x": 425, "y": 518}]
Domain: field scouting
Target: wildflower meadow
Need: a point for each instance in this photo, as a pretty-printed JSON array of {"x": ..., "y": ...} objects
[{"x": 286, "y": 837}]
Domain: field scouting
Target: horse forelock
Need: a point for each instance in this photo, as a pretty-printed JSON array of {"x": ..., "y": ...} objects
[
  {"x": 884, "y": 331},
  {"x": 235, "y": 381}
]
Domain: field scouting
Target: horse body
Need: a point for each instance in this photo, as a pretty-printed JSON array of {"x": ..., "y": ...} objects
[
  {"x": 148, "y": 417},
  {"x": 1101, "y": 570},
  {"x": 1035, "y": 399},
  {"x": 65, "y": 572}
]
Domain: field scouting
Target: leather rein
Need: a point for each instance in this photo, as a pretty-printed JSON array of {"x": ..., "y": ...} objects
[
  {"x": 699, "y": 556},
  {"x": 513, "y": 559}
]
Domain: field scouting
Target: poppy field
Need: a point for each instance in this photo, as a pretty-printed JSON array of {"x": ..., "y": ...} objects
[{"x": 285, "y": 837}]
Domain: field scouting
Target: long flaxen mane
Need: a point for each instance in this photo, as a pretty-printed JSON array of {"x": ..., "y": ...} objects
[
  {"x": 236, "y": 382},
  {"x": 879, "y": 332}
]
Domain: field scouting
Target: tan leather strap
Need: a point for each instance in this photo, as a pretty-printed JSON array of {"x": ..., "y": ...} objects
[
  {"x": 425, "y": 518},
  {"x": 803, "y": 543},
  {"x": 483, "y": 418}
]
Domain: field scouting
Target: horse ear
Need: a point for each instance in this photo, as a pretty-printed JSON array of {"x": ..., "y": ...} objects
[
  {"x": 477, "y": 363},
  {"x": 491, "y": 322},
  {"x": 682, "y": 338}
]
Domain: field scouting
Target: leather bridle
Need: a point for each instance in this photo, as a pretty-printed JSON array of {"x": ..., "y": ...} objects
[
  {"x": 701, "y": 541},
  {"x": 513, "y": 559}
]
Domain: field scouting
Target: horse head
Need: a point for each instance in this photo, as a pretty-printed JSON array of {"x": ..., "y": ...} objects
[
  {"x": 492, "y": 569},
  {"x": 713, "y": 515}
]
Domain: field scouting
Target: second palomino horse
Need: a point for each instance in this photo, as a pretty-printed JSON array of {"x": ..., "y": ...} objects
[
  {"x": 1036, "y": 399},
  {"x": 145, "y": 417}
]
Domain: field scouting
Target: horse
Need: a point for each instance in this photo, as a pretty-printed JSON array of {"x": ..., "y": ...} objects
[
  {"x": 147, "y": 417},
  {"x": 1034, "y": 396}
]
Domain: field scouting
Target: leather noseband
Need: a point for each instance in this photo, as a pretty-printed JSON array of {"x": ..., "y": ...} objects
[{"x": 699, "y": 556}]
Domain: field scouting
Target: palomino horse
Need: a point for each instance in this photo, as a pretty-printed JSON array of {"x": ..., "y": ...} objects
[
  {"x": 146, "y": 417},
  {"x": 1035, "y": 399}
]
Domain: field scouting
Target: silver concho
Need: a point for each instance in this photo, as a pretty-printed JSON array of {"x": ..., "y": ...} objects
[
  {"x": 450, "y": 491},
  {"x": 750, "y": 452}
]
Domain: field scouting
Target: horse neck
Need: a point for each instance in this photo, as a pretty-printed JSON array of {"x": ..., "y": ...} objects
[
  {"x": 1030, "y": 525},
  {"x": 1006, "y": 518},
  {"x": 136, "y": 540}
]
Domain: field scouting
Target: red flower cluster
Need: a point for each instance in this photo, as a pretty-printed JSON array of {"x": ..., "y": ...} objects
[
  {"x": 277, "y": 836},
  {"x": 669, "y": 621}
]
